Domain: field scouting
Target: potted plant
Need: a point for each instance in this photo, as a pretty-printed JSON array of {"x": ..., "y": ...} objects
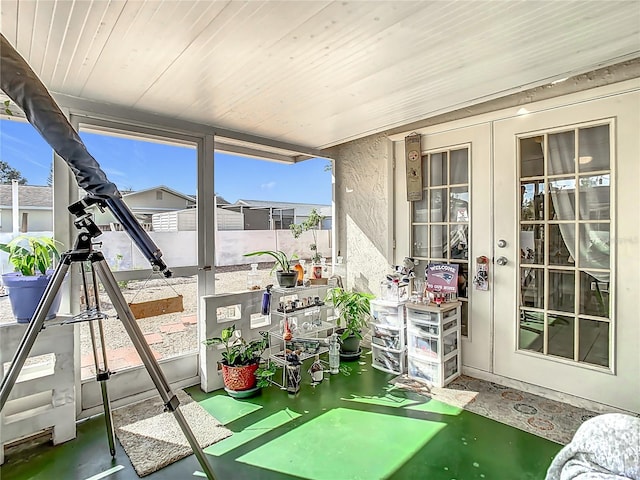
[
  {"x": 352, "y": 310},
  {"x": 265, "y": 373},
  {"x": 285, "y": 274},
  {"x": 312, "y": 223},
  {"x": 32, "y": 258},
  {"x": 240, "y": 359}
]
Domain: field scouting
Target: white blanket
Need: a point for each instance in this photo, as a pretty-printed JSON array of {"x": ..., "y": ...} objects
[{"x": 606, "y": 447}]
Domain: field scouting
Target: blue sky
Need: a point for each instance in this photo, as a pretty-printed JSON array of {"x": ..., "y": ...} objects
[{"x": 136, "y": 165}]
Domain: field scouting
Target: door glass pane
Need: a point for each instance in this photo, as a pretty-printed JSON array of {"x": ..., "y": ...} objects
[
  {"x": 438, "y": 204},
  {"x": 458, "y": 243},
  {"x": 464, "y": 321},
  {"x": 438, "y": 169},
  {"x": 531, "y": 157},
  {"x": 459, "y": 166},
  {"x": 532, "y": 244},
  {"x": 532, "y": 200},
  {"x": 562, "y": 153},
  {"x": 459, "y": 204},
  {"x": 531, "y": 331},
  {"x": 563, "y": 199},
  {"x": 419, "y": 208},
  {"x": 561, "y": 244},
  {"x": 594, "y": 342},
  {"x": 420, "y": 244},
  {"x": 561, "y": 335},
  {"x": 593, "y": 148},
  {"x": 425, "y": 170},
  {"x": 561, "y": 290},
  {"x": 438, "y": 241},
  {"x": 594, "y": 245},
  {"x": 594, "y": 197},
  {"x": 594, "y": 294},
  {"x": 532, "y": 287},
  {"x": 463, "y": 280}
]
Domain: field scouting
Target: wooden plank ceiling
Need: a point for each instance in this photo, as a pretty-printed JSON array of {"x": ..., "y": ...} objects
[{"x": 313, "y": 73}]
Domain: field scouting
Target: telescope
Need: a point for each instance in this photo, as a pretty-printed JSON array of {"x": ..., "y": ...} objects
[{"x": 23, "y": 86}]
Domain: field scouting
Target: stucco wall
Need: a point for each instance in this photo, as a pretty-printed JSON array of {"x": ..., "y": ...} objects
[{"x": 362, "y": 197}]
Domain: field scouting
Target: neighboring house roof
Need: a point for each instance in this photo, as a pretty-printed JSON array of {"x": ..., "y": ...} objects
[
  {"x": 188, "y": 198},
  {"x": 29, "y": 196},
  {"x": 300, "y": 208}
]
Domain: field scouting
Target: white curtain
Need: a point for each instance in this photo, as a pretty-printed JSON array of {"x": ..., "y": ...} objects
[{"x": 593, "y": 249}]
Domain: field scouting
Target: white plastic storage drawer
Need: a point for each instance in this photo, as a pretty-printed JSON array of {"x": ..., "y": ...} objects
[
  {"x": 426, "y": 347},
  {"x": 451, "y": 368},
  {"x": 424, "y": 329},
  {"x": 431, "y": 316},
  {"x": 385, "y": 313},
  {"x": 428, "y": 372},
  {"x": 450, "y": 342},
  {"x": 388, "y": 361},
  {"x": 449, "y": 324},
  {"x": 386, "y": 336}
]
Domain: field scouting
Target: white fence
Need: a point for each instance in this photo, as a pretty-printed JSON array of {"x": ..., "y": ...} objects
[{"x": 179, "y": 248}]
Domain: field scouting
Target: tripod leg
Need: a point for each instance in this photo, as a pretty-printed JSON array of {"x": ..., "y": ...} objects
[
  {"x": 130, "y": 324},
  {"x": 35, "y": 325},
  {"x": 107, "y": 417},
  {"x": 102, "y": 368}
]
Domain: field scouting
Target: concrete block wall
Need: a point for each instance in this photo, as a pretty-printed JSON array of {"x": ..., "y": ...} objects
[{"x": 43, "y": 397}]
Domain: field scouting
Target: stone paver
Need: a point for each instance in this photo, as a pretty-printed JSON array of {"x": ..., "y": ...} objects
[{"x": 172, "y": 328}]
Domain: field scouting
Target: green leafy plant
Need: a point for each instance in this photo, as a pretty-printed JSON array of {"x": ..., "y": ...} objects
[
  {"x": 264, "y": 373},
  {"x": 283, "y": 262},
  {"x": 311, "y": 224},
  {"x": 238, "y": 351},
  {"x": 352, "y": 308},
  {"x": 31, "y": 255}
]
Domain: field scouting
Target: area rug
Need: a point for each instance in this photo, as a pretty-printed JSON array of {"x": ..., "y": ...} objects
[
  {"x": 550, "y": 419},
  {"x": 153, "y": 439}
]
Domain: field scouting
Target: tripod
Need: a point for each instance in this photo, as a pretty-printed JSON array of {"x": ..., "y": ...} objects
[{"x": 83, "y": 252}]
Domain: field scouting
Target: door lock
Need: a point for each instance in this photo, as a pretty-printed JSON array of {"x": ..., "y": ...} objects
[
  {"x": 502, "y": 261},
  {"x": 502, "y": 243}
]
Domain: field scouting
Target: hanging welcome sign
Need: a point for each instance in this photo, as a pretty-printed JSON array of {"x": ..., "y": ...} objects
[{"x": 442, "y": 278}]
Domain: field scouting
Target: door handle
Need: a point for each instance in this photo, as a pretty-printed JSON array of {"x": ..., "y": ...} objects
[{"x": 502, "y": 261}]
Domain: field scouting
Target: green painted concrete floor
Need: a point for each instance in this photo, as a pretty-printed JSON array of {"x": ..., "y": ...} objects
[{"x": 348, "y": 427}]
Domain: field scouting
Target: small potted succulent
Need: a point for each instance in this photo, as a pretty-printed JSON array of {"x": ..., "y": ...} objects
[
  {"x": 286, "y": 275},
  {"x": 240, "y": 359},
  {"x": 32, "y": 259}
]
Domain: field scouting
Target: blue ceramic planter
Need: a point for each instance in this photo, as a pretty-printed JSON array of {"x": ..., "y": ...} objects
[{"x": 25, "y": 294}]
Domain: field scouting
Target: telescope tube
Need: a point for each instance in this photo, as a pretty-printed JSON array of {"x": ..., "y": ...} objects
[{"x": 23, "y": 86}]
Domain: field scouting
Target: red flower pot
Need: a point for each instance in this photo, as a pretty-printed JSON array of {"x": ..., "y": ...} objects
[{"x": 239, "y": 378}]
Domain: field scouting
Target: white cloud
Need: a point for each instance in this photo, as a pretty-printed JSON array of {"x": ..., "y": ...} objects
[{"x": 268, "y": 186}]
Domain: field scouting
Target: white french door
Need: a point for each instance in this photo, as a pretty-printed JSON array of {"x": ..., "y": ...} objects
[
  {"x": 452, "y": 224},
  {"x": 564, "y": 208}
]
